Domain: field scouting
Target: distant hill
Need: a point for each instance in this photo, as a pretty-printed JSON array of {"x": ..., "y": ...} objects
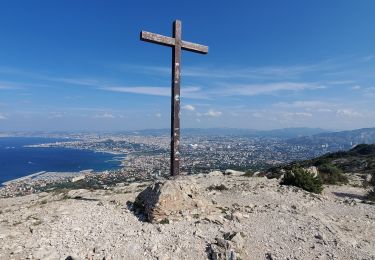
[
  {"x": 284, "y": 133},
  {"x": 293, "y": 132},
  {"x": 360, "y": 159},
  {"x": 335, "y": 141}
]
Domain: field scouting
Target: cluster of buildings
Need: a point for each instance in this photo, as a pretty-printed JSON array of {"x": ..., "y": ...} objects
[{"x": 147, "y": 157}]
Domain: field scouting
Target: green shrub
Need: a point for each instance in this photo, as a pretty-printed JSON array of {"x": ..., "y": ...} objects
[
  {"x": 164, "y": 221},
  {"x": 331, "y": 174},
  {"x": 303, "y": 179},
  {"x": 363, "y": 149}
]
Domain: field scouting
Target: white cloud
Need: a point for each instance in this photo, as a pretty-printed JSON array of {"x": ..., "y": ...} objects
[
  {"x": 349, "y": 113},
  {"x": 249, "y": 72},
  {"x": 55, "y": 115},
  {"x": 324, "y": 110},
  {"x": 189, "y": 107},
  {"x": 369, "y": 92},
  {"x": 268, "y": 88},
  {"x": 154, "y": 91},
  {"x": 74, "y": 81},
  {"x": 356, "y": 87},
  {"x": 368, "y": 58},
  {"x": 308, "y": 104},
  {"x": 193, "y": 93},
  {"x": 104, "y": 115},
  {"x": 3, "y": 117},
  {"x": 265, "y": 72},
  {"x": 144, "y": 69},
  {"x": 158, "y": 115},
  {"x": 303, "y": 114},
  {"x": 10, "y": 86},
  {"x": 340, "y": 82},
  {"x": 258, "y": 114},
  {"x": 187, "y": 92},
  {"x": 295, "y": 115},
  {"x": 213, "y": 113}
]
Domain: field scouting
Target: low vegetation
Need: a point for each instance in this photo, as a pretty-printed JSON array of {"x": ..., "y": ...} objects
[
  {"x": 334, "y": 168},
  {"x": 331, "y": 174},
  {"x": 164, "y": 221},
  {"x": 301, "y": 178},
  {"x": 220, "y": 187}
]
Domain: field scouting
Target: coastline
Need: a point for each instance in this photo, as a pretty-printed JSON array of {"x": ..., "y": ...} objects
[
  {"x": 60, "y": 145},
  {"x": 112, "y": 160},
  {"x": 30, "y": 176},
  {"x": 45, "y": 175}
]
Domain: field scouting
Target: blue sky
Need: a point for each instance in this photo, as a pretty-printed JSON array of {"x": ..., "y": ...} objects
[{"x": 79, "y": 65}]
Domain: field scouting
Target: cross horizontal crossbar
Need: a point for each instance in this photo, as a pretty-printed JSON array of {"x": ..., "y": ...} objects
[{"x": 169, "y": 41}]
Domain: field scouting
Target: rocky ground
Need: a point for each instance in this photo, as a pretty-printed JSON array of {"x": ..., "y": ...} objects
[{"x": 257, "y": 216}]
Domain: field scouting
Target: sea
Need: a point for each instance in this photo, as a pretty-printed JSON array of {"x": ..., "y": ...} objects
[{"x": 17, "y": 161}]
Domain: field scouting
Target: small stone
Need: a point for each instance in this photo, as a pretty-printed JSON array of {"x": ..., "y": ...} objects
[
  {"x": 237, "y": 216},
  {"x": 221, "y": 242},
  {"x": 164, "y": 257},
  {"x": 238, "y": 241},
  {"x": 215, "y": 173},
  {"x": 154, "y": 248}
]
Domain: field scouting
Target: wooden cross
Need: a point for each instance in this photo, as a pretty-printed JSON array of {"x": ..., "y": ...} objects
[{"x": 177, "y": 44}]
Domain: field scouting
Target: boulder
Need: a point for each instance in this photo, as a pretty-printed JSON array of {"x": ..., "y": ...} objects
[
  {"x": 313, "y": 171},
  {"x": 215, "y": 173},
  {"x": 233, "y": 172},
  {"x": 172, "y": 200}
]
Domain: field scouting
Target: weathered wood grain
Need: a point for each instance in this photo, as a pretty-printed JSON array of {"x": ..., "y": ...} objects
[{"x": 177, "y": 45}]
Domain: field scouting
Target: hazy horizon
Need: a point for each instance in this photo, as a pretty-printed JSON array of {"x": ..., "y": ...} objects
[{"x": 187, "y": 128}]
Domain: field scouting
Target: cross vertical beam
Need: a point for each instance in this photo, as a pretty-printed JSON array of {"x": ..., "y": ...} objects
[
  {"x": 175, "y": 109},
  {"x": 177, "y": 45}
]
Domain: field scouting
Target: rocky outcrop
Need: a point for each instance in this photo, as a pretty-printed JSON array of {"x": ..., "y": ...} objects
[
  {"x": 172, "y": 200},
  {"x": 215, "y": 173},
  {"x": 227, "y": 247},
  {"x": 233, "y": 172},
  {"x": 313, "y": 170}
]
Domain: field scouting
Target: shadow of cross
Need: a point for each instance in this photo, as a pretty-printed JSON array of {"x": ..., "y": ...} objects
[{"x": 177, "y": 44}]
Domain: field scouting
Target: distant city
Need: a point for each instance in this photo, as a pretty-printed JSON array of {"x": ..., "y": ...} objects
[
  {"x": 204, "y": 150},
  {"x": 145, "y": 154}
]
